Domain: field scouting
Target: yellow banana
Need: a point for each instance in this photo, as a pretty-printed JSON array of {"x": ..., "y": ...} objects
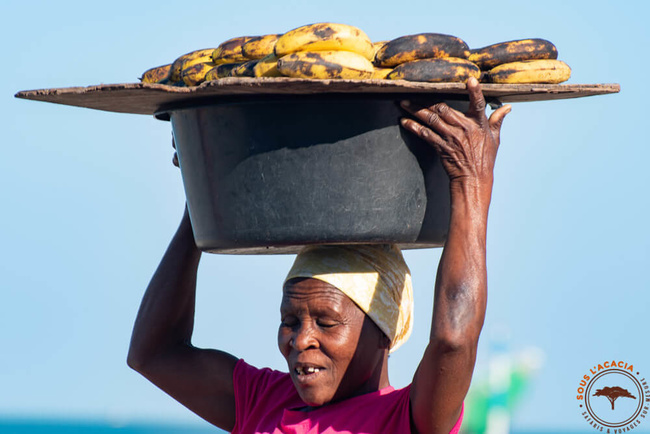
[
  {"x": 156, "y": 75},
  {"x": 448, "y": 69},
  {"x": 376, "y": 46},
  {"x": 325, "y": 65},
  {"x": 244, "y": 70},
  {"x": 420, "y": 46},
  {"x": 195, "y": 74},
  {"x": 259, "y": 47},
  {"x": 548, "y": 71},
  {"x": 267, "y": 67},
  {"x": 230, "y": 51},
  {"x": 381, "y": 73},
  {"x": 512, "y": 51},
  {"x": 223, "y": 70},
  {"x": 177, "y": 65},
  {"x": 212, "y": 74},
  {"x": 325, "y": 37}
]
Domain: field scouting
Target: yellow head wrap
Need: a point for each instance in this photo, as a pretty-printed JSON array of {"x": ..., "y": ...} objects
[{"x": 375, "y": 277}]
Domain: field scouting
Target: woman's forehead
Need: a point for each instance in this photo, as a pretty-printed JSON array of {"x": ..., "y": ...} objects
[{"x": 310, "y": 290}]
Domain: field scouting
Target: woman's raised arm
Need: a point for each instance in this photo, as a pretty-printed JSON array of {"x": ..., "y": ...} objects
[
  {"x": 161, "y": 347},
  {"x": 467, "y": 145}
]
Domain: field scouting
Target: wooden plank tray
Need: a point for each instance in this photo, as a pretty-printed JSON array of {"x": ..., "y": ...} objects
[{"x": 147, "y": 99}]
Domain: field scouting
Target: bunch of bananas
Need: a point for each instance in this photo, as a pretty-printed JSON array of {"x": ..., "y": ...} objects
[
  {"x": 521, "y": 61},
  {"x": 340, "y": 51}
]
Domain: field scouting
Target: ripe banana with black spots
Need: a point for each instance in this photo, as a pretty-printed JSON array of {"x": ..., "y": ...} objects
[
  {"x": 244, "y": 70},
  {"x": 230, "y": 51},
  {"x": 156, "y": 75},
  {"x": 223, "y": 70},
  {"x": 195, "y": 74},
  {"x": 512, "y": 51},
  {"x": 420, "y": 46},
  {"x": 259, "y": 47},
  {"x": 325, "y": 37},
  {"x": 378, "y": 46},
  {"x": 186, "y": 60},
  {"x": 267, "y": 67},
  {"x": 381, "y": 73},
  {"x": 548, "y": 71},
  {"x": 325, "y": 65},
  {"x": 448, "y": 69}
]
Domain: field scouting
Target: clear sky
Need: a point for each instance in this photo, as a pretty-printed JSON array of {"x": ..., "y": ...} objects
[{"x": 90, "y": 200}]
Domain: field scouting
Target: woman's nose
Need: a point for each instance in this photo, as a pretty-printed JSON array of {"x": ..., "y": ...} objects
[{"x": 304, "y": 338}]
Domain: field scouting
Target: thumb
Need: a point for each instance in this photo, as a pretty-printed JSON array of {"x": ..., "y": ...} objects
[{"x": 496, "y": 119}]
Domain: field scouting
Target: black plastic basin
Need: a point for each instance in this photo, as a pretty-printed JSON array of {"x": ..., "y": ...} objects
[{"x": 270, "y": 174}]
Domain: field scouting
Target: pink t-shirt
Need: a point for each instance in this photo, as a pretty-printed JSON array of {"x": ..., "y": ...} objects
[{"x": 265, "y": 401}]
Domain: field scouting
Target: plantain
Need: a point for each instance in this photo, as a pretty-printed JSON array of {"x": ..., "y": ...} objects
[
  {"x": 377, "y": 46},
  {"x": 223, "y": 70},
  {"x": 381, "y": 73},
  {"x": 230, "y": 51},
  {"x": 325, "y": 37},
  {"x": 244, "y": 70},
  {"x": 195, "y": 74},
  {"x": 325, "y": 65},
  {"x": 420, "y": 46},
  {"x": 448, "y": 69},
  {"x": 259, "y": 47},
  {"x": 549, "y": 71},
  {"x": 512, "y": 51},
  {"x": 212, "y": 74},
  {"x": 156, "y": 75},
  {"x": 267, "y": 67},
  {"x": 178, "y": 64}
]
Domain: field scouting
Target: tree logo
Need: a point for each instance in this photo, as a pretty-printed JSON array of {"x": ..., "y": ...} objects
[{"x": 599, "y": 392}]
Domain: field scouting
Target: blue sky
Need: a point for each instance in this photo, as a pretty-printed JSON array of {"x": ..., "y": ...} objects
[{"x": 90, "y": 201}]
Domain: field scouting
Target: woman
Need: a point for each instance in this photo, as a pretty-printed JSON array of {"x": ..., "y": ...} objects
[{"x": 336, "y": 344}]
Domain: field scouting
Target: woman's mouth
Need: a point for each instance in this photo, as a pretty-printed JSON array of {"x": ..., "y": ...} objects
[
  {"x": 306, "y": 373},
  {"x": 307, "y": 370}
]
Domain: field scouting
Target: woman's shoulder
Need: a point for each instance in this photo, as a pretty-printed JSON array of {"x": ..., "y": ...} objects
[{"x": 259, "y": 379}]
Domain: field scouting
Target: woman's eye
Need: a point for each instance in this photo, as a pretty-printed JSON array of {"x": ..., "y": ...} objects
[
  {"x": 326, "y": 323},
  {"x": 288, "y": 322}
]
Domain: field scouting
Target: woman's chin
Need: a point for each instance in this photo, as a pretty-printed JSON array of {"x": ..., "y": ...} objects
[{"x": 314, "y": 399}]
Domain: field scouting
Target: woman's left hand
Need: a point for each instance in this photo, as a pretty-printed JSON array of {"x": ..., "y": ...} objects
[{"x": 467, "y": 143}]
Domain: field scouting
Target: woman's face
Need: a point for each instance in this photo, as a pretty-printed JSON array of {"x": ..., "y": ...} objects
[{"x": 333, "y": 350}]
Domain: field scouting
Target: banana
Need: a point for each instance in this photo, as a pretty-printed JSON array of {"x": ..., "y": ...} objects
[
  {"x": 259, "y": 47},
  {"x": 223, "y": 70},
  {"x": 512, "y": 51},
  {"x": 267, "y": 67},
  {"x": 230, "y": 51},
  {"x": 156, "y": 75},
  {"x": 549, "y": 71},
  {"x": 377, "y": 46},
  {"x": 325, "y": 65},
  {"x": 420, "y": 46},
  {"x": 212, "y": 74},
  {"x": 244, "y": 70},
  {"x": 448, "y": 69},
  {"x": 325, "y": 37},
  {"x": 381, "y": 73},
  {"x": 177, "y": 65},
  {"x": 195, "y": 74}
]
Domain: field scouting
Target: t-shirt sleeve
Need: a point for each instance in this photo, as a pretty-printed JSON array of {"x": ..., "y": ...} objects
[
  {"x": 459, "y": 422},
  {"x": 251, "y": 386}
]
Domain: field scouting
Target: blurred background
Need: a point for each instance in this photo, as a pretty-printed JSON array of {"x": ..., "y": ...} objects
[{"x": 90, "y": 201}]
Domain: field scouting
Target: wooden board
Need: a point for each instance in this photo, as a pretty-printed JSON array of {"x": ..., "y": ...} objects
[{"x": 147, "y": 99}]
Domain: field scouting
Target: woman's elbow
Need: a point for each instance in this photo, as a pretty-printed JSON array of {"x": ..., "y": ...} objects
[{"x": 136, "y": 359}]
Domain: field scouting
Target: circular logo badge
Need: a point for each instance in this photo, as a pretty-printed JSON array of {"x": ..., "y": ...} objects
[{"x": 613, "y": 397}]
